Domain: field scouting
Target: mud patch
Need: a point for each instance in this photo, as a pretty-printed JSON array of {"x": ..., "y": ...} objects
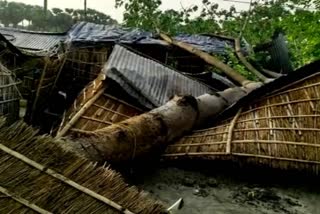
[{"x": 227, "y": 194}]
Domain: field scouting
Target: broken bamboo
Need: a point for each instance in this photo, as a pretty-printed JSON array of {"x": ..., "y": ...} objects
[{"x": 230, "y": 72}]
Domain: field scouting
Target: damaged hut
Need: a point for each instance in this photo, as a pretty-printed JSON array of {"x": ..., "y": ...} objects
[
  {"x": 38, "y": 66},
  {"x": 280, "y": 129},
  {"x": 128, "y": 77}
]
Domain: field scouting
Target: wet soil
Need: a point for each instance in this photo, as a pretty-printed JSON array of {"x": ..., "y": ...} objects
[{"x": 233, "y": 192}]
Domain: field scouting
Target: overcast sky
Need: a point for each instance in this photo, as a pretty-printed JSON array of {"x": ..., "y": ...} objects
[{"x": 107, "y": 6}]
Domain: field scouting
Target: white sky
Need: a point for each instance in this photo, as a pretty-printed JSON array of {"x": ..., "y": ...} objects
[{"x": 107, "y": 6}]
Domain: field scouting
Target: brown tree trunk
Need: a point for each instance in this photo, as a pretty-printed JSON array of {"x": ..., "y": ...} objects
[{"x": 147, "y": 135}]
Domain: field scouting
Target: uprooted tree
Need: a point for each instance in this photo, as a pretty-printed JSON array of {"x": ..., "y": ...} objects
[{"x": 144, "y": 136}]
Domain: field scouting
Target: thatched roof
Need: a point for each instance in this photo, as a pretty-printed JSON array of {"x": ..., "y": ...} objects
[
  {"x": 39, "y": 176},
  {"x": 280, "y": 130}
]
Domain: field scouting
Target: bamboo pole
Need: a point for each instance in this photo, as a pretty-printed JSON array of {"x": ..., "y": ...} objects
[
  {"x": 247, "y": 64},
  {"x": 79, "y": 114},
  {"x": 272, "y": 73},
  {"x": 209, "y": 59},
  {"x": 34, "y": 106}
]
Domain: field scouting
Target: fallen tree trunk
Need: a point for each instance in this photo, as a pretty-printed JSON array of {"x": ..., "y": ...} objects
[{"x": 144, "y": 136}]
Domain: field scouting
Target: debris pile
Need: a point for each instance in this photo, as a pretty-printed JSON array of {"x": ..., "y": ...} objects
[{"x": 107, "y": 93}]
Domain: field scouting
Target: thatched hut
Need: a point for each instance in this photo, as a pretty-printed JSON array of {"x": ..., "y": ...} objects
[
  {"x": 280, "y": 129},
  {"x": 9, "y": 95},
  {"x": 38, "y": 176}
]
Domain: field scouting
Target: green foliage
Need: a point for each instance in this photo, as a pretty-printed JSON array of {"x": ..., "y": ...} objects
[
  {"x": 233, "y": 61},
  {"x": 300, "y": 19},
  {"x": 12, "y": 13}
]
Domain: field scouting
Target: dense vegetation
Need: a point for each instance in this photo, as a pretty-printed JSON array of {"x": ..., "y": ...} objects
[
  {"x": 299, "y": 19},
  {"x": 12, "y": 13}
]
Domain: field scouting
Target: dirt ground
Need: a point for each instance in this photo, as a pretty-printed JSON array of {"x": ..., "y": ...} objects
[{"x": 235, "y": 192}]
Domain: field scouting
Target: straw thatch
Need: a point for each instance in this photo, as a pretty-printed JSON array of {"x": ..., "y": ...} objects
[
  {"x": 38, "y": 176},
  {"x": 9, "y": 95},
  {"x": 281, "y": 130},
  {"x": 95, "y": 109}
]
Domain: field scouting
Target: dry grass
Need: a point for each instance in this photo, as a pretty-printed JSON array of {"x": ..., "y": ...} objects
[
  {"x": 281, "y": 130},
  {"x": 62, "y": 180}
]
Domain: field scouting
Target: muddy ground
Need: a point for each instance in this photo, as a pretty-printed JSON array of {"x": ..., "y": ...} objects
[{"x": 233, "y": 191}]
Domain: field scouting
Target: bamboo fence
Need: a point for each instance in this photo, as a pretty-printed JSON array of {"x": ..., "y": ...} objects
[
  {"x": 37, "y": 175},
  {"x": 83, "y": 65},
  {"x": 9, "y": 95},
  {"x": 281, "y": 130}
]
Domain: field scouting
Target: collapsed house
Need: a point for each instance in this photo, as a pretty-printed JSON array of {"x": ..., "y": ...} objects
[
  {"x": 87, "y": 47},
  {"x": 129, "y": 78},
  {"x": 280, "y": 129},
  {"x": 95, "y": 76}
]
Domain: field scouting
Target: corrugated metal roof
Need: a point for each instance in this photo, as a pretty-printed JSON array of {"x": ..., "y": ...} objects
[
  {"x": 35, "y": 41},
  {"x": 4, "y": 43},
  {"x": 150, "y": 82}
]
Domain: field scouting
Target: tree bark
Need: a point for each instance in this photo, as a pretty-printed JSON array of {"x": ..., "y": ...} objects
[{"x": 147, "y": 135}]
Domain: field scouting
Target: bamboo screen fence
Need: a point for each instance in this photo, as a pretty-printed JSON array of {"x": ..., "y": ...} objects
[
  {"x": 9, "y": 95},
  {"x": 281, "y": 130},
  {"x": 84, "y": 64}
]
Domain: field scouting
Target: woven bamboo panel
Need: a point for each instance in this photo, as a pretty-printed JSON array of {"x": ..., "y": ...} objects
[
  {"x": 281, "y": 130},
  {"x": 105, "y": 111},
  {"x": 95, "y": 109},
  {"x": 9, "y": 95},
  {"x": 37, "y": 175}
]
